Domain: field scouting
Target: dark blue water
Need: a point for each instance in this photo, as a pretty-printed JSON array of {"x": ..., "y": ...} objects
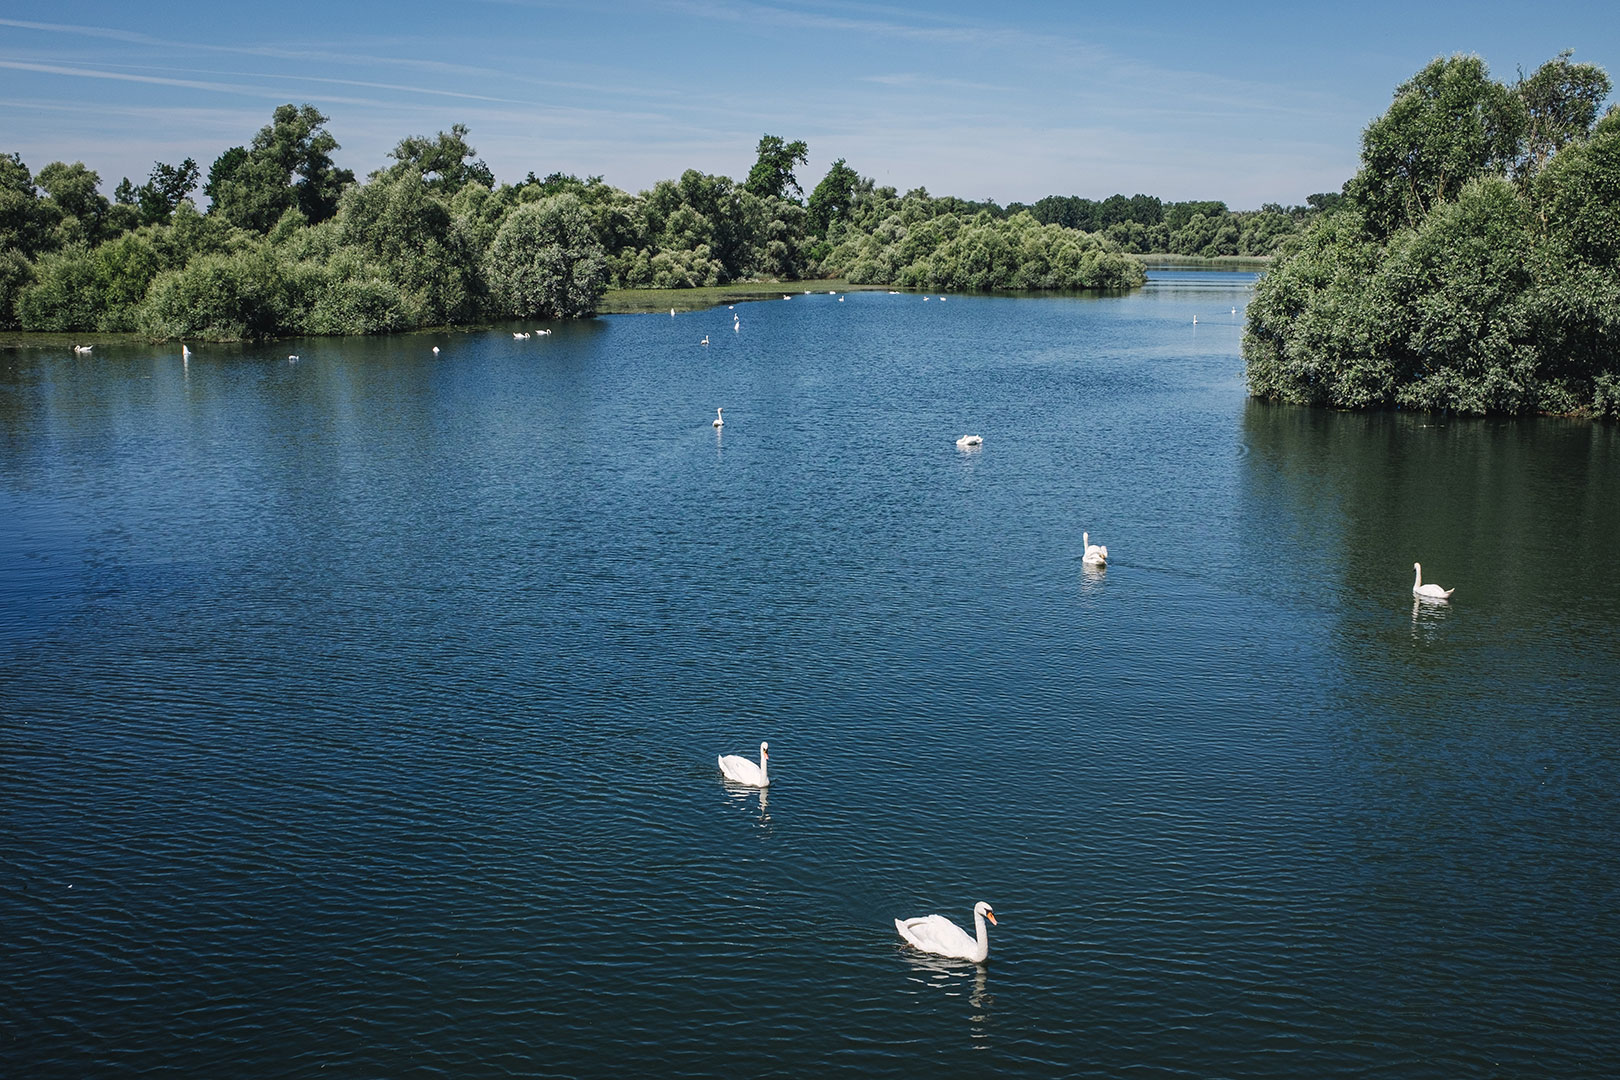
[{"x": 359, "y": 714}]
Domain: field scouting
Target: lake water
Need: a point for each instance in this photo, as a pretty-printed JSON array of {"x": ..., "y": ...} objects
[{"x": 359, "y": 714}]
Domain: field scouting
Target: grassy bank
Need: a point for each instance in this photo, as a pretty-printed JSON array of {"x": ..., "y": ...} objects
[
  {"x": 642, "y": 301},
  {"x": 1219, "y": 262}
]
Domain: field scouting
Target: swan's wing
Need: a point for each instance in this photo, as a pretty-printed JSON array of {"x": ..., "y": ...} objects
[
  {"x": 740, "y": 769},
  {"x": 936, "y": 934}
]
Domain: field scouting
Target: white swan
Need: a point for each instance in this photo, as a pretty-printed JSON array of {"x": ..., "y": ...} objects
[
  {"x": 435, "y": 350},
  {"x": 292, "y": 358},
  {"x": 185, "y": 353},
  {"x": 1096, "y": 554},
  {"x": 938, "y": 935},
  {"x": 82, "y": 348},
  {"x": 719, "y": 417},
  {"x": 1427, "y": 592},
  {"x": 705, "y": 340},
  {"x": 970, "y": 440},
  {"x": 742, "y": 771}
]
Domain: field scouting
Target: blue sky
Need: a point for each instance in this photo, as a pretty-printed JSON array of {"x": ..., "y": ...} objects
[{"x": 1008, "y": 100}]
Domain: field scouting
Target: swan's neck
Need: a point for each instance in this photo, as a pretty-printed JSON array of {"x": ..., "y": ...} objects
[
  {"x": 1417, "y": 581},
  {"x": 764, "y": 758},
  {"x": 982, "y": 936}
]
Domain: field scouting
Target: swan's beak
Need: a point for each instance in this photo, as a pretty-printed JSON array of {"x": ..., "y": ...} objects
[{"x": 992, "y": 917}]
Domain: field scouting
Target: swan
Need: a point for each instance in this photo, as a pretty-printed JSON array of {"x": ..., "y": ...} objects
[
  {"x": 742, "y": 771},
  {"x": 705, "y": 340},
  {"x": 937, "y": 934},
  {"x": 1096, "y": 554},
  {"x": 435, "y": 350},
  {"x": 82, "y": 348},
  {"x": 719, "y": 419},
  {"x": 1427, "y": 592},
  {"x": 185, "y": 353},
  {"x": 292, "y": 358},
  {"x": 970, "y": 440}
]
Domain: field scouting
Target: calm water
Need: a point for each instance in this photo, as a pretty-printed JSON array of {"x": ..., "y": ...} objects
[{"x": 360, "y": 714}]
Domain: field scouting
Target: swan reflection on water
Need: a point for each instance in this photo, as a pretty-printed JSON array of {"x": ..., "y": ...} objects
[
  {"x": 746, "y": 795},
  {"x": 955, "y": 979},
  {"x": 1427, "y": 617}
]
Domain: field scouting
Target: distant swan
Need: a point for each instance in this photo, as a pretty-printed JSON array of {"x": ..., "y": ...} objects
[
  {"x": 292, "y": 358},
  {"x": 938, "y": 935},
  {"x": 970, "y": 440},
  {"x": 1427, "y": 592},
  {"x": 1096, "y": 554},
  {"x": 705, "y": 340},
  {"x": 742, "y": 771},
  {"x": 719, "y": 419},
  {"x": 185, "y": 353},
  {"x": 435, "y": 350},
  {"x": 82, "y": 348}
]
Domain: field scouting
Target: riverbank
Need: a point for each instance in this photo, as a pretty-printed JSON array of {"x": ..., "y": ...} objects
[
  {"x": 643, "y": 301},
  {"x": 1219, "y": 262}
]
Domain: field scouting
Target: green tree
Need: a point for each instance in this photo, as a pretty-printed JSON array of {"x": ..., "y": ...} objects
[
  {"x": 442, "y": 162},
  {"x": 165, "y": 188},
  {"x": 288, "y": 165},
  {"x": 27, "y": 222},
  {"x": 82, "y": 209},
  {"x": 772, "y": 174},
  {"x": 223, "y": 171},
  {"x": 1560, "y": 103},
  {"x": 409, "y": 236},
  {"x": 1448, "y": 124},
  {"x": 546, "y": 262},
  {"x": 831, "y": 199}
]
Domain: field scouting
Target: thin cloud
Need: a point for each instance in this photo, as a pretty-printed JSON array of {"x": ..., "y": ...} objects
[{"x": 912, "y": 79}]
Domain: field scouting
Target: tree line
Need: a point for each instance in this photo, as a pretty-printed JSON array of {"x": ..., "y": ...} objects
[
  {"x": 290, "y": 243},
  {"x": 1473, "y": 263}
]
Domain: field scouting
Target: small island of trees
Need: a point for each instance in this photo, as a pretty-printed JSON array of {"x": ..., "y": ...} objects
[{"x": 1473, "y": 264}]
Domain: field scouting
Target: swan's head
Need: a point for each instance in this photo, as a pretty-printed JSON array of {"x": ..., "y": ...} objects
[
  {"x": 764, "y": 749},
  {"x": 982, "y": 908}
]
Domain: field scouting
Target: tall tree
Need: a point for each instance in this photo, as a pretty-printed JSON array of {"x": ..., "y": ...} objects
[
  {"x": 831, "y": 199},
  {"x": 162, "y": 191},
  {"x": 442, "y": 162},
  {"x": 1448, "y": 124},
  {"x": 772, "y": 174},
  {"x": 1560, "y": 102},
  {"x": 288, "y": 166},
  {"x": 26, "y": 220}
]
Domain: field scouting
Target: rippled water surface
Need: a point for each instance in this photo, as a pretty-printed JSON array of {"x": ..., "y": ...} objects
[{"x": 359, "y": 714}]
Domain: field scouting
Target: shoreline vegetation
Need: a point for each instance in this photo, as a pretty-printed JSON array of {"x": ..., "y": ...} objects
[
  {"x": 292, "y": 245},
  {"x": 646, "y": 301},
  {"x": 1473, "y": 265}
]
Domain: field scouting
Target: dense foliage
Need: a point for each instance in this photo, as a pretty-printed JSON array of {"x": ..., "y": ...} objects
[
  {"x": 292, "y": 244},
  {"x": 1474, "y": 264},
  {"x": 1143, "y": 224}
]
